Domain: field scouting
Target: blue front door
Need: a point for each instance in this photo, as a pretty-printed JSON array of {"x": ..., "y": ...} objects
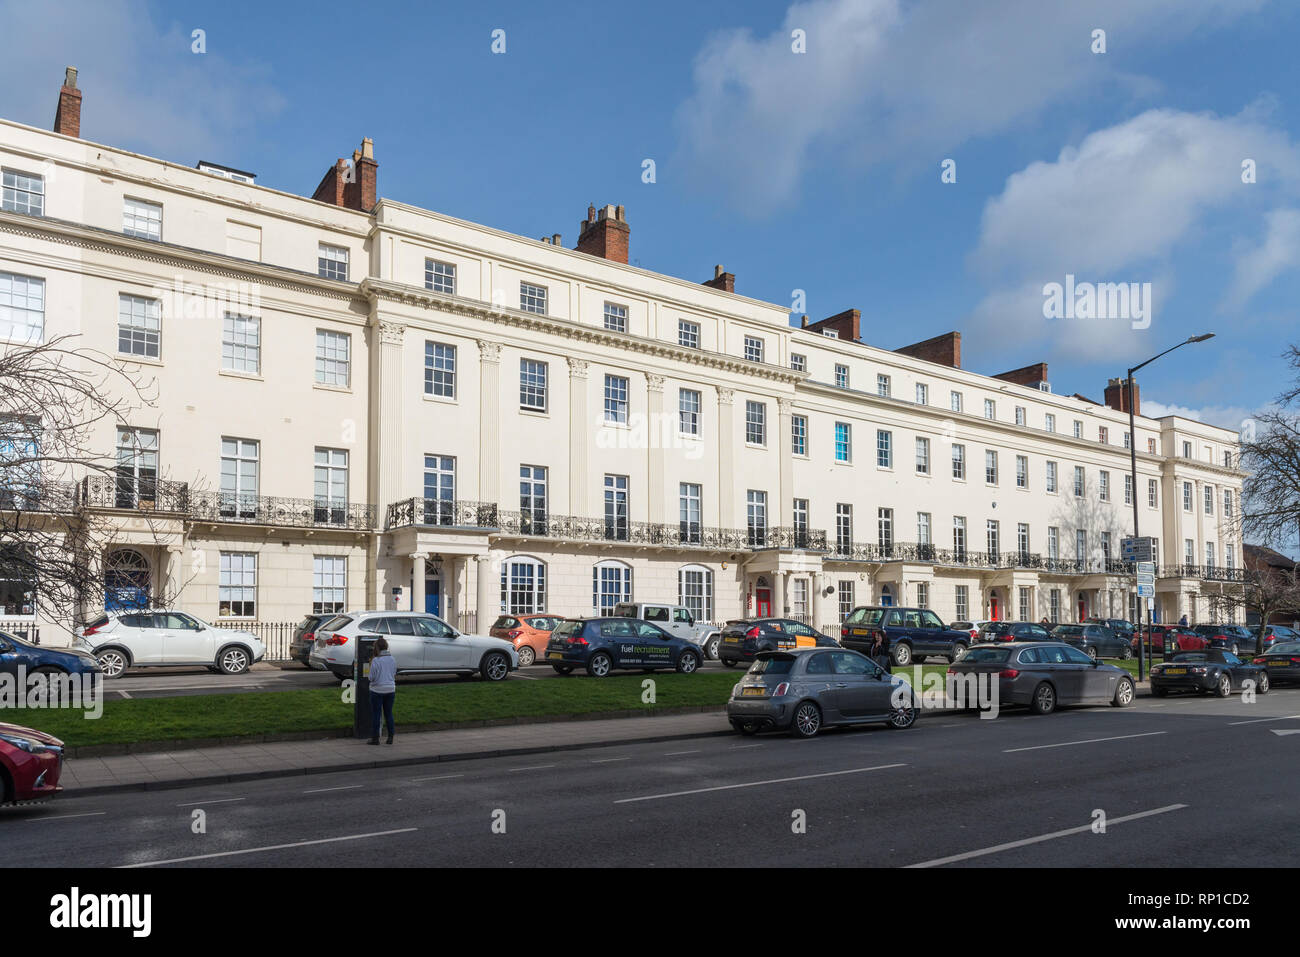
[{"x": 433, "y": 597}]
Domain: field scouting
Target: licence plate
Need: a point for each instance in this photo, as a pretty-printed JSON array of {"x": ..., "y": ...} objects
[
  {"x": 753, "y": 692},
  {"x": 1279, "y": 664},
  {"x": 554, "y": 654},
  {"x": 731, "y": 641}
]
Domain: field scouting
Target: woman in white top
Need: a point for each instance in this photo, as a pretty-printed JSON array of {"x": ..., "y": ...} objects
[{"x": 383, "y": 689}]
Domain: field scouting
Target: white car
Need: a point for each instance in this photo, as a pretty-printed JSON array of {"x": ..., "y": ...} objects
[
  {"x": 156, "y": 638},
  {"x": 419, "y": 644}
]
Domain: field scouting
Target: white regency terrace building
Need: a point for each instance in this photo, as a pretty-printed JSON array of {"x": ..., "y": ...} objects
[{"x": 360, "y": 403}]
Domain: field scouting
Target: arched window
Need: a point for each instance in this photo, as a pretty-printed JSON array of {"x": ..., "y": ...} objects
[
  {"x": 126, "y": 579},
  {"x": 695, "y": 591},
  {"x": 523, "y": 585},
  {"x": 611, "y": 583},
  {"x": 886, "y": 595}
]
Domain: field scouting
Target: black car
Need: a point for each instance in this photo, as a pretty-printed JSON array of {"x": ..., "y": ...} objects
[
  {"x": 1121, "y": 626},
  {"x": 911, "y": 633},
  {"x": 304, "y": 636},
  {"x": 743, "y": 638},
  {"x": 1014, "y": 631},
  {"x": 1282, "y": 662},
  {"x": 1235, "y": 638},
  {"x": 602, "y": 645},
  {"x": 1213, "y": 669},
  {"x": 1097, "y": 641}
]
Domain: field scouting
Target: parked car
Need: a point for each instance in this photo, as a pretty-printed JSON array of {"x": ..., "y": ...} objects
[
  {"x": 419, "y": 644},
  {"x": 807, "y": 689},
  {"x": 1282, "y": 662},
  {"x": 1178, "y": 638},
  {"x": 911, "y": 633},
  {"x": 1214, "y": 670},
  {"x": 1014, "y": 631},
  {"x": 528, "y": 633},
  {"x": 304, "y": 636},
  {"x": 972, "y": 627},
  {"x": 18, "y": 653},
  {"x": 1235, "y": 638},
  {"x": 743, "y": 638},
  {"x": 1276, "y": 633},
  {"x": 602, "y": 645},
  {"x": 676, "y": 620},
  {"x": 30, "y": 764},
  {"x": 1121, "y": 626},
  {"x": 156, "y": 638},
  {"x": 1096, "y": 641},
  {"x": 1047, "y": 675}
]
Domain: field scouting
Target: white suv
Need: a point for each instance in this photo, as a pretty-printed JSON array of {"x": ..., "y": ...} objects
[
  {"x": 155, "y": 638},
  {"x": 418, "y": 644}
]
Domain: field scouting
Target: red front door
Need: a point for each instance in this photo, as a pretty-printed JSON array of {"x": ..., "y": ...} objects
[
  {"x": 993, "y": 608},
  {"x": 764, "y": 602}
]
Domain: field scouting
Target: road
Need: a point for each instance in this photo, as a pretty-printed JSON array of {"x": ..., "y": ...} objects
[{"x": 1183, "y": 782}]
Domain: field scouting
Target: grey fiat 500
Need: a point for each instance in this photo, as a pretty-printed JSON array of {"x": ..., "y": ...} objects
[{"x": 806, "y": 689}]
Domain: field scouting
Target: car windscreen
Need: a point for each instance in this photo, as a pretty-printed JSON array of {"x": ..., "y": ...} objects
[
  {"x": 337, "y": 623},
  {"x": 1070, "y": 631},
  {"x": 567, "y": 629},
  {"x": 776, "y": 665},
  {"x": 994, "y": 655},
  {"x": 623, "y": 611},
  {"x": 865, "y": 616},
  {"x": 1286, "y": 648}
]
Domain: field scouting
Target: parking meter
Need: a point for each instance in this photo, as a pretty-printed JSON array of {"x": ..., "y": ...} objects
[{"x": 361, "y": 686}]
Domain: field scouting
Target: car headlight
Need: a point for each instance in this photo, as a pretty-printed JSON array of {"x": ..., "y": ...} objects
[
  {"x": 735, "y": 690},
  {"x": 25, "y": 744}
]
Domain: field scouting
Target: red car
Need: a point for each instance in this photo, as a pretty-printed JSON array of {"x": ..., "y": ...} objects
[
  {"x": 1181, "y": 637},
  {"x": 30, "y": 764}
]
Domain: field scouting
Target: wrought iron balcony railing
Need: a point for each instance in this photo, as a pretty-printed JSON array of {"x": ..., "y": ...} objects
[
  {"x": 1213, "y": 573},
  {"x": 443, "y": 513},
  {"x": 273, "y": 510},
  {"x": 135, "y": 493},
  {"x": 48, "y": 497}
]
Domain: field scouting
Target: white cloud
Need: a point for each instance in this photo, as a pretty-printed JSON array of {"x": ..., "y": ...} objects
[
  {"x": 1231, "y": 417},
  {"x": 143, "y": 89},
  {"x": 1114, "y": 209},
  {"x": 1259, "y": 264},
  {"x": 884, "y": 80}
]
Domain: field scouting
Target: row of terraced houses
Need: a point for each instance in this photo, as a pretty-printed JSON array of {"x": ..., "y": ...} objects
[{"x": 360, "y": 403}]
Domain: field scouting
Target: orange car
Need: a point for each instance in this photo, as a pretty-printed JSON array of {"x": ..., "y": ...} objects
[{"x": 530, "y": 633}]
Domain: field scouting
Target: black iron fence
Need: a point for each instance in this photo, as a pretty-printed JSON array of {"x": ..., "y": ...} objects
[
  {"x": 443, "y": 513},
  {"x": 23, "y": 628},
  {"x": 276, "y": 635},
  {"x": 136, "y": 492},
  {"x": 272, "y": 510}
]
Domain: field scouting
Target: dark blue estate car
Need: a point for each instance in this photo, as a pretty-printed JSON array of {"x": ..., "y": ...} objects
[
  {"x": 18, "y": 653},
  {"x": 911, "y": 633},
  {"x": 602, "y": 645}
]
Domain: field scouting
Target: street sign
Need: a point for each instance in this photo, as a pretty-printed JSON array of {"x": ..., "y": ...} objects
[
  {"x": 1138, "y": 549},
  {"x": 1146, "y": 591},
  {"x": 1146, "y": 568}
]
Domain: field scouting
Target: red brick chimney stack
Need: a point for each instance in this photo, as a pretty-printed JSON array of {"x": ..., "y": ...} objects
[
  {"x": 721, "y": 280},
  {"x": 354, "y": 188},
  {"x": 604, "y": 233},
  {"x": 67, "y": 118},
  {"x": 1117, "y": 396}
]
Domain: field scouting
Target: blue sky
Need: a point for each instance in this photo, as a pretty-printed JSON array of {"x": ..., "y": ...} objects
[{"x": 817, "y": 171}]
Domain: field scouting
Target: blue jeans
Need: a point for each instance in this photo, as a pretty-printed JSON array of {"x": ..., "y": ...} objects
[{"x": 384, "y": 703}]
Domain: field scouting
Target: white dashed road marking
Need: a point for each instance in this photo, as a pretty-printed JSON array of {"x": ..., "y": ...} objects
[{"x": 1067, "y": 744}]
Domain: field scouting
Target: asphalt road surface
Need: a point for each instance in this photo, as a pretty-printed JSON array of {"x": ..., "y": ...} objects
[{"x": 1181, "y": 782}]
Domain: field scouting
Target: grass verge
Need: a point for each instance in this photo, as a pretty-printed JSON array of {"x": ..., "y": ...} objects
[{"x": 323, "y": 709}]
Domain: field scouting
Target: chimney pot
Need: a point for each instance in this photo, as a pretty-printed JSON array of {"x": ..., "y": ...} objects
[
  {"x": 717, "y": 271},
  {"x": 67, "y": 116},
  {"x": 70, "y": 78},
  {"x": 591, "y": 213},
  {"x": 605, "y": 236},
  {"x": 555, "y": 240}
]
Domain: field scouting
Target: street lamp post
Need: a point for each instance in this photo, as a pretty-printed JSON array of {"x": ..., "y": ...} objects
[{"x": 1133, "y": 472}]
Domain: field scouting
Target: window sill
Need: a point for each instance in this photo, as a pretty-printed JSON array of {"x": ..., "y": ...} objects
[
  {"x": 236, "y": 374},
  {"x": 536, "y": 413},
  {"x": 326, "y": 387},
  {"x": 443, "y": 399},
  {"x": 138, "y": 360}
]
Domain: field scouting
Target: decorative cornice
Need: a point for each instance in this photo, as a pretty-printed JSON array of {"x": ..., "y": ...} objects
[
  {"x": 383, "y": 289},
  {"x": 784, "y": 406},
  {"x": 726, "y": 396}
]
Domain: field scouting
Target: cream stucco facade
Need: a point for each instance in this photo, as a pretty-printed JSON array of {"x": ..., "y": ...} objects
[{"x": 376, "y": 431}]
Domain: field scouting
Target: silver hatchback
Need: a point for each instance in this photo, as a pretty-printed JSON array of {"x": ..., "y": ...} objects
[{"x": 806, "y": 689}]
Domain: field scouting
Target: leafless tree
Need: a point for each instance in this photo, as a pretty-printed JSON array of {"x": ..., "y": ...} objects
[{"x": 1267, "y": 591}]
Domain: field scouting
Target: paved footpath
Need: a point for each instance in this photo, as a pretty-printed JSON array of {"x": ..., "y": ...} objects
[{"x": 281, "y": 758}]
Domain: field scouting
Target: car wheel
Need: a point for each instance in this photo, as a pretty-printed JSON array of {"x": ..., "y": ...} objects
[
  {"x": 1123, "y": 693},
  {"x": 1223, "y": 687},
  {"x": 902, "y": 655},
  {"x": 1126, "y": 653},
  {"x": 688, "y": 662},
  {"x": 1236, "y": 649},
  {"x": 1261, "y": 686},
  {"x": 563, "y": 669},
  {"x": 495, "y": 666},
  {"x": 807, "y": 720},
  {"x": 728, "y": 663},
  {"x": 526, "y": 656},
  {"x": 600, "y": 665},
  {"x": 1043, "y": 700},
  {"x": 232, "y": 660},
  {"x": 112, "y": 662},
  {"x": 711, "y": 648},
  {"x": 958, "y": 653},
  {"x": 1092, "y": 652},
  {"x": 902, "y": 717}
]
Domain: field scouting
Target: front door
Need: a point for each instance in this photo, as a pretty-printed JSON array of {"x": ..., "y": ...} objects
[
  {"x": 995, "y": 610},
  {"x": 763, "y": 601},
  {"x": 433, "y": 596}
]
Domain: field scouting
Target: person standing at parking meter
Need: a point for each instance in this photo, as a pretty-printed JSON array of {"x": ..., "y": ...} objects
[{"x": 383, "y": 689}]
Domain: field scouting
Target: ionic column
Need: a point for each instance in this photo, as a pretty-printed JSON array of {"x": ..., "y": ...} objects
[
  {"x": 418, "y": 573},
  {"x": 657, "y": 435},
  {"x": 580, "y": 427},
  {"x": 485, "y": 607},
  {"x": 489, "y": 437},
  {"x": 785, "y": 443},
  {"x": 387, "y": 432}
]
